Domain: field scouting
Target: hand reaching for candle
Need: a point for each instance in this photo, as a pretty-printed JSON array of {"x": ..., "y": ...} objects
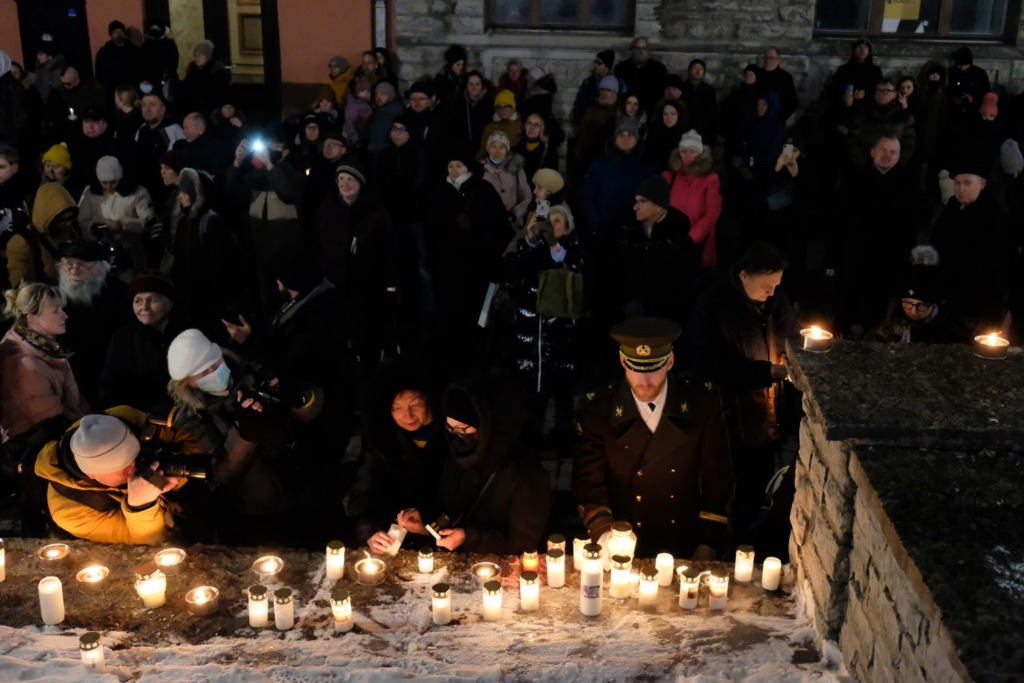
[
  {"x": 410, "y": 520},
  {"x": 380, "y": 543},
  {"x": 142, "y": 493},
  {"x": 451, "y": 538}
]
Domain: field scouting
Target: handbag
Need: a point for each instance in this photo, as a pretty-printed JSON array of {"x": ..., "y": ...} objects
[{"x": 560, "y": 294}]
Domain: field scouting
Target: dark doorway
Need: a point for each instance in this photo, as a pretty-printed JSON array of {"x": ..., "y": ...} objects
[
  {"x": 65, "y": 20},
  {"x": 156, "y": 12}
]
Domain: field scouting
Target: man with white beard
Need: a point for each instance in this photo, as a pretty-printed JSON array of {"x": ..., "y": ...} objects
[{"x": 97, "y": 307}]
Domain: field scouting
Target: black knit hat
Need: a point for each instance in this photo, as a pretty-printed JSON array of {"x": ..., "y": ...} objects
[
  {"x": 425, "y": 87},
  {"x": 353, "y": 167},
  {"x": 455, "y": 53},
  {"x": 114, "y": 25},
  {"x": 84, "y": 250},
  {"x": 963, "y": 56},
  {"x": 655, "y": 190},
  {"x": 607, "y": 57},
  {"x": 674, "y": 81}
]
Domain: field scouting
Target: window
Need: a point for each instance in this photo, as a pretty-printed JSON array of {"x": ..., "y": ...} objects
[
  {"x": 966, "y": 18},
  {"x": 596, "y": 15}
]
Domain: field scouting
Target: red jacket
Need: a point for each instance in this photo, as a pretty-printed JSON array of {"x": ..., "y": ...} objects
[{"x": 696, "y": 192}]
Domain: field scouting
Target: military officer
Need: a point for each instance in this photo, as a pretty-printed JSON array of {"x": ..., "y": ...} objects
[{"x": 654, "y": 451}]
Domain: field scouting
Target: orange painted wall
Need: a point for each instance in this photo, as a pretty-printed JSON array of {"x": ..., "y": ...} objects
[
  {"x": 100, "y": 14},
  {"x": 10, "y": 37},
  {"x": 312, "y": 31}
]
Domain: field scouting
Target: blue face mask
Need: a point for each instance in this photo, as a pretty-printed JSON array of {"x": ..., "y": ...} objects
[{"x": 217, "y": 381}]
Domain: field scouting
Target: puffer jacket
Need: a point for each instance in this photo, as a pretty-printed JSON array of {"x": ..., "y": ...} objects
[
  {"x": 51, "y": 199},
  {"x": 696, "y": 191}
]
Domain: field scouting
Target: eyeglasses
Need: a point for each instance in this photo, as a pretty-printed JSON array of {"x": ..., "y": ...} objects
[
  {"x": 76, "y": 265},
  {"x": 884, "y": 91},
  {"x": 920, "y": 307}
]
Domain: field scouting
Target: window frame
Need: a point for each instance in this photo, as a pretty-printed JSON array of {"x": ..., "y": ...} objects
[
  {"x": 535, "y": 23},
  {"x": 1011, "y": 26}
]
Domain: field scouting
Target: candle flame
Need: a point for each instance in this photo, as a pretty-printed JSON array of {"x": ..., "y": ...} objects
[
  {"x": 992, "y": 339},
  {"x": 816, "y": 332}
]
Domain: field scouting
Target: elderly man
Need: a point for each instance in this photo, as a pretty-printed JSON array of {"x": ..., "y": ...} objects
[
  {"x": 155, "y": 136},
  {"x": 774, "y": 77},
  {"x": 644, "y": 77},
  {"x": 654, "y": 451},
  {"x": 203, "y": 151}
]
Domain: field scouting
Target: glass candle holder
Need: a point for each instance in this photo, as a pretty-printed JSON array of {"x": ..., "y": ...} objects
[
  {"x": 284, "y": 609},
  {"x": 621, "y": 542},
  {"x": 51, "y": 600},
  {"x": 90, "y": 646},
  {"x": 743, "y": 572},
  {"x": 816, "y": 339},
  {"x": 621, "y": 581},
  {"x": 52, "y": 556},
  {"x": 556, "y": 542},
  {"x": 529, "y": 591},
  {"x": 370, "y": 572},
  {"x": 531, "y": 561},
  {"x": 555, "y": 561},
  {"x": 483, "y": 572},
  {"x": 425, "y": 561},
  {"x": 202, "y": 601},
  {"x": 689, "y": 587},
  {"x": 441, "y": 603},
  {"x": 492, "y": 601},
  {"x": 718, "y": 588},
  {"x": 267, "y": 568},
  {"x": 335, "y": 560},
  {"x": 990, "y": 346},
  {"x": 771, "y": 573},
  {"x": 664, "y": 563},
  {"x": 259, "y": 608},
  {"x": 170, "y": 560},
  {"x": 341, "y": 610},
  {"x": 649, "y": 586},
  {"x": 578, "y": 544},
  {"x": 151, "y": 585},
  {"x": 91, "y": 579},
  {"x": 591, "y": 578}
]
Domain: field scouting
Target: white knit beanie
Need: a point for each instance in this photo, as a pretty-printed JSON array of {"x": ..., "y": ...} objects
[
  {"x": 103, "y": 444},
  {"x": 190, "y": 353},
  {"x": 500, "y": 138},
  {"x": 691, "y": 140},
  {"x": 108, "y": 169}
]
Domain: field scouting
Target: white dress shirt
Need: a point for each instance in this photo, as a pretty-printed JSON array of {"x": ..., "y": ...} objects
[{"x": 652, "y": 417}]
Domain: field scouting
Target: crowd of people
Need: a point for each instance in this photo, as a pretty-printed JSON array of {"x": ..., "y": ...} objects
[{"x": 192, "y": 295}]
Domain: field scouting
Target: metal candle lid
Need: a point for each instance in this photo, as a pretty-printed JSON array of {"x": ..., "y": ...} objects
[
  {"x": 492, "y": 587},
  {"x": 339, "y": 596},
  {"x": 556, "y": 539},
  {"x": 146, "y": 571},
  {"x": 556, "y": 554},
  {"x": 745, "y": 550},
  {"x": 621, "y": 561},
  {"x": 441, "y": 590},
  {"x": 282, "y": 596},
  {"x": 622, "y": 527},
  {"x": 592, "y": 551},
  {"x": 648, "y": 574},
  {"x": 691, "y": 574},
  {"x": 426, "y": 552},
  {"x": 719, "y": 574},
  {"x": 335, "y": 548},
  {"x": 257, "y": 592},
  {"x": 529, "y": 577},
  {"x": 89, "y": 640}
]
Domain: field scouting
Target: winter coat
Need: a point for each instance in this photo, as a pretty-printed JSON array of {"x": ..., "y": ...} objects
[
  {"x": 150, "y": 144},
  {"x": 204, "y": 89},
  {"x": 379, "y": 132},
  {"x": 399, "y": 174},
  {"x": 780, "y": 82},
  {"x": 89, "y": 329},
  {"x": 609, "y": 188},
  {"x": 702, "y": 106},
  {"x": 206, "y": 153},
  {"x": 118, "y": 64},
  {"x": 510, "y": 181},
  {"x": 36, "y": 382},
  {"x": 871, "y": 123},
  {"x": 696, "y": 191},
  {"x": 340, "y": 85},
  {"x": 597, "y": 126},
  {"x": 133, "y": 207},
  {"x": 358, "y": 113},
  {"x": 760, "y": 138},
  {"x": 646, "y": 81},
  {"x": 51, "y": 199},
  {"x": 543, "y": 154},
  {"x": 469, "y": 118},
  {"x": 14, "y": 111},
  {"x": 511, "y": 127},
  {"x": 861, "y": 75},
  {"x": 135, "y": 370},
  {"x": 48, "y": 77}
]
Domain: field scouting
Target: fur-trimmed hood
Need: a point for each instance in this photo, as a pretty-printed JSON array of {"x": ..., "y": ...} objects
[
  {"x": 700, "y": 167},
  {"x": 514, "y": 164}
]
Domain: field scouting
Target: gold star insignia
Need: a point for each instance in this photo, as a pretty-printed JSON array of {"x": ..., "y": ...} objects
[
  {"x": 590, "y": 395},
  {"x": 618, "y": 411},
  {"x": 684, "y": 408}
]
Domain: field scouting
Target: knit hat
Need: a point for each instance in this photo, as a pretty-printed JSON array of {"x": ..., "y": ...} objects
[
  {"x": 609, "y": 82},
  {"x": 989, "y": 105},
  {"x": 691, "y": 140},
  {"x": 963, "y": 56},
  {"x": 674, "y": 81},
  {"x": 151, "y": 281},
  {"x": 655, "y": 190},
  {"x": 607, "y": 57},
  {"x": 459, "y": 406},
  {"x": 205, "y": 48},
  {"x": 550, "y": 179},
  {"x": 455, "y": 53},
  {"x": 626, "y": 124},
  {"x": 500, "y": 138},
  {"x": 387, "y": 89},
  {"x": 353, "y": 167},
  {"x": 922, "y": 280},
  {"x": 103, "y": 444},
  {"x": 83, "y": 250},
  {"x": 423, "y": 87},
  {"x": 564, "y": 209},
  {"x": 300, "y": 273},
  {"x": 333, "y": 133},
  {"x": 113, "y": 26},
  {"x": 505, "y": 98},
  {"x": 1010, "y": 157},
  {"x": 59, "y": 155},
  {"x": 971, "y": 163},
  {"x": 752, "y": 67},
  {"x": 174, "y": 159},
  {"x": 339, "y": 62},
  {"x": 190, "y": 353},
  {"x": 108, "y": 169}
]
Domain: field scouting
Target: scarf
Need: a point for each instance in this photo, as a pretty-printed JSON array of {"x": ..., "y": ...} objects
[{"x": 51, "y": 347}]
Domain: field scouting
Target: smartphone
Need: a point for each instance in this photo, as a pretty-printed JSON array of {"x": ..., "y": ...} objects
[
  {"x": 257, "y": 146},
  {"x": 849, "y": 88},
  {"x": 788, "y": 149},
  {"x": 543, "y": 207}
]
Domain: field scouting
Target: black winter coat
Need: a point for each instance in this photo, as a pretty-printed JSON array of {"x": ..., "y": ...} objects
[
  {"x": 469, "y": 120},
  {"x": 89, "y": 329},
  {"x": 205, "y": 89},
  {"x": 135, "y": 371},
  {"x": 702, "y": 107}
]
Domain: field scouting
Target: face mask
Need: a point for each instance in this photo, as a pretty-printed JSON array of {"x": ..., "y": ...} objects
[
  {"x": 216, "y": 381},
  {"x": 496, "y": 162},
  {"x": 463, "y": 444}
]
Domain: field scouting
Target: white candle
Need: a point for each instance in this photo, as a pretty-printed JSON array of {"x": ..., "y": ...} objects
[
  {"x": 689, "y": 587},
  {"x": 267, "y": 567},
  {"x": 621, "y": 542},
  {"x": 621, "y": 580},
  {"x": 771, "y": 573},
  {"x": 591, "y": 577},
  {"x": 492, "y": 601},
  {"x": 91, "y": 647},
  {"x": 531, "y": 561},
  {"x": 744, "y": 569},
  {"x": 484, "y": 572},
  {"x": 718, "y": 589},
  {"x": 335, "y": 560},
  {"x": 259, "y": 608},
  {"x": 529, "y": 591},
  {"x": 556, "y": 568},
  {"x": 284, "y": 609},
  {"x": 51, "y": 600},
  {"x": 441, "y": 603},
  {"x": 426, "y": 560},
  {"x": 397, "y": 535},
  {"x": 341, "y": 610},
  {"x": 556, "y": 542},
  {"x": 3, "y": 561},
  {"x": 649, "y": 587},
  {"x": 151, "y": 585},
  {"x": 578, "y": 544},
  {"x": 664, "y": 563}
]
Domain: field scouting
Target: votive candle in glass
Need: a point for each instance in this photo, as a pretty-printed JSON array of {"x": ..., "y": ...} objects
[
  {"x": 492, "y": 601},
  {"x": 259, "y": 607},
  {"x": 578, "y": 544},
  {"x": 284, "y": 609},
  {"x": 3, "y": 561},
  {"x": 202, "y": 601},
  {"x": 816, "y": 339},
  {"x": 370, "y": 572},
  {"x": 621, "y": 581},
  {"x": 744, "y": 569},
  {"x": 591, "y": 578},
  {"x": 531, "y": 561},
  {"x": 267, "y": 567},
  {"x": 990, "y": 346},
  {"x": 90, "y": 579},
  {"x": 529, "y": 591},
  {"x": 689, "y": 587},
  {"x": 484, "y": 572},
  {"x": 51, "y": 600},
  {"x": 151, "y": 585},
  {"x": 341, "y": 610},
  {"x": 664, "y": 564},
  {"x": 90, "y": 646},
  {"x": 556, "y": 568},
  {"x": 170, "y": 560},
  {"x": 425, "y": 560},
  {"x": 771, "y": 573},
  {"x": 441, "y": 603},
  {"x": 649, "y": 586},
  {"x": 53, "y": 555},
  {"x": 335, "y": 560},
  {"x": 556, "y": 542},
  {"x": 718, "y": 588}
]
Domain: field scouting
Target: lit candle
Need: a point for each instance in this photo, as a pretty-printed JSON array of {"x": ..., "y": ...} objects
[
  {"x": 718, "y": 588},
  {"x": 556, "y": 568},
  {"x": 621, "y": 542},
  {"x": 689, "y": 587},
  {"x": 90, "y": 579},
  {"x": 426, "y": 560},
  {"x": 771, "y": 573},
  {"x": 990, "y": 346},
  {"x": 531, "y": 561},
  {"x": 3, "y": 561},
  {"x": 397, "y": 535},
  {"x": 151, "y": 585},
  {"x": 307, "y": 172},
  {"x": 649, "y": 586},
  {"x": 341, "y": 610},
  {"x": 335, "y": 560},
  {"x": 816, "y": 339},
  {"x": 744, "y": 569},
  {"x": 578, "y": 544},
  {"x": 202, "y": 601},
  {"x": 492, "y": 601},
  {"x": 556, "y": 542},
  {"x": 484, "y": 572},
  {"x": 51, "y": 600},
  {"x": 71, "y": 114},
  {"x": 664, "y": 564},
  {"x": 591, "y": 577},
  {"x": 259, "y": 608},
  {"x": 284, "y": 609},
  {"x": 170, "y": 560},
  {"x": 441, "y": 603},
  {"x": 370, "y": 572},
  {"x": 529, "y": 591},
  {"x": 52, "y": 554},
  {"x": 267, "y": 567},
  {"x": 91, "y": 648},
  {"x": 621, "y": 581}
]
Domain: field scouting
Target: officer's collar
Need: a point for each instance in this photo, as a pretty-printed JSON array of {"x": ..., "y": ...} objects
[{"x": 624, "y": 404}]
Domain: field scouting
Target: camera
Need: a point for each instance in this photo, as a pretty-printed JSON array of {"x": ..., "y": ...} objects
[
  {"x": 171, "y": 465},
  {"x": 443, "y": 521},
  {"x": 269, "y": 394}
]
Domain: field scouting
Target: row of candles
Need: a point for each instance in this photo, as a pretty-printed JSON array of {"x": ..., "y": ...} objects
[{"x": 991, "y": 346}]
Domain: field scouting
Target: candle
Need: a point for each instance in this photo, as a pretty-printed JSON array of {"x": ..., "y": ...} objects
[
  {"x": 529, "y": 591},
  {"x": 51, "y": 555},
  {"x": 397, "y": 535},
  {"x": 484, "y": 572},
  {"x": 335, "y": 560},
  {"x": 71, "y": 114},
  {"x": 649, "y": 579},
  {"x": 492, "y": 601},
  {"x": 202, "y": 601},
  {"x": 990, "y": 346},
  {"x": 556, "y": 542},
  {"x": 170, "y": 560},
  {"x": 151, "y": 585},
  {"x": 578, "y": 544},
  {"x": 284, "y": 609},
  {"x": 426, "y": 560},
  {"x": 664, "y": 564},
  {"x": 370, "y": 572},
  {"x": 3, "y": 561},
  {"x": 621, "y": 581},
  {"x": 689, "y": 587},
  {"x": 441, "y": 603},
  {"x": 816, "y": 339},
  {"x": 51, "y": 600},
  {"x": 267, "y": 567},
  {"x": 744, "y": 569},
  {"x": 621, "y": 542},
  {"x": 259, "y": 608},
  {"x": 531, "y": 561},
  {"x": 90, "y": 579},
  {"x": 591, "y": 577},
  {"x": 556, "y": 568},
  {"x": 771, "y": 573},
  {"x": 718, "y": 588},
  {"x": 91, "y": 648},
  {"x": 341, "y": 609}
]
